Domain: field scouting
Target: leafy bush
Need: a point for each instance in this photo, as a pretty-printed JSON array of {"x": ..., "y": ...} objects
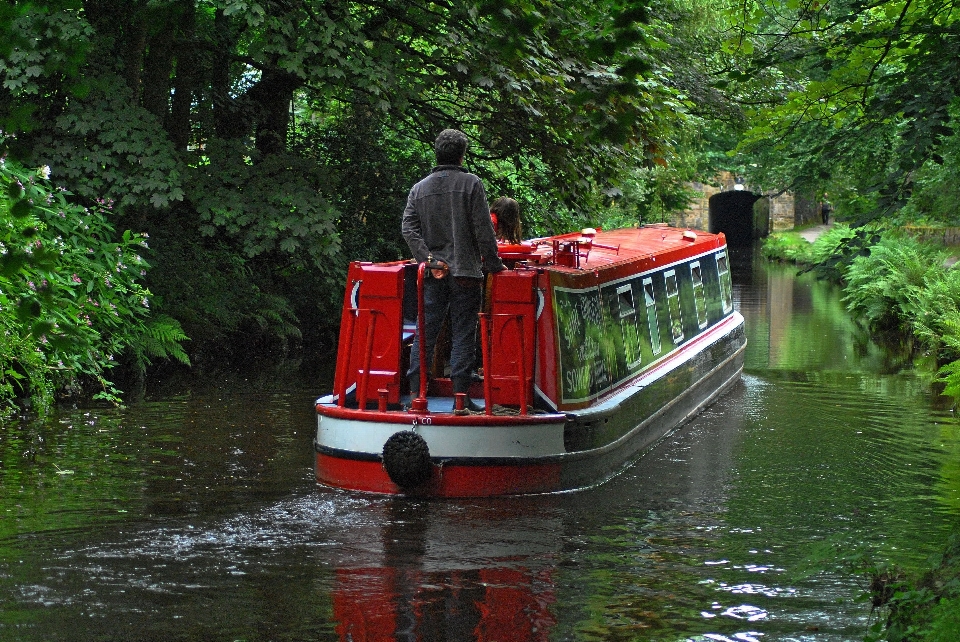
[
  {"x": 832, "y": 242},
  {"x": 919, "y": 608},
  {"x": 886, "y": 287},
  {"x": 939, "y": 326},
  {"x": 71, "y": 299},
  {"x": 902, "y": 285},
  {"x": 787, "y": 246}
]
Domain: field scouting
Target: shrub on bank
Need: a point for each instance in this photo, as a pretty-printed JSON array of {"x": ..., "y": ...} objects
[
  {"x": 787, "y": 246},
  {"x": 924, "y": 608},
  {"x": 71, "y": 300},
  {"x": 888, "y": 288}
]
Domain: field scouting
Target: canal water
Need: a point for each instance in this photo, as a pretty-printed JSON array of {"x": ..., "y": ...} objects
[{"x": 195, "y": 516}]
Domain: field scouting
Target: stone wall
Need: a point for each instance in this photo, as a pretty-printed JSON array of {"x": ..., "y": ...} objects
[
  {"x": 782, "y": 215},
  {"x": 697, "y": 216},
  {"x": 772, "y": 213},
  {"x": 949, "y": 236}
]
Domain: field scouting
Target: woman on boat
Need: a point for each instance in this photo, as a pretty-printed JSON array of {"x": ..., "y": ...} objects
[{"x": 505, "y": 213}]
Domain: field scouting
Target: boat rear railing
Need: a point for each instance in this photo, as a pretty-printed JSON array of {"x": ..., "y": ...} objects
[
  {"x": 340, "y": 386},
  {"x": 419, "y": 404},
  {"x": 369, "y": 373}
]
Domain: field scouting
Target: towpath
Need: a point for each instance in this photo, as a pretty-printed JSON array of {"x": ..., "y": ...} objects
[{"x": 813, "y": 233}]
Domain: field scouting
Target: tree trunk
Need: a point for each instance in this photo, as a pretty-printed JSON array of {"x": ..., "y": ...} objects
[
  {"x": 229, "y": 121},
  {"x": 134, "y": 44},
  {"x": 272, "y": 95},
  {"x": 158, "y": 63},
  {"x": 178, "y": 123}
]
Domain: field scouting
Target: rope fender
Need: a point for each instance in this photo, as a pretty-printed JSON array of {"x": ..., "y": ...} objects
[{"x": 406, "y": 458}]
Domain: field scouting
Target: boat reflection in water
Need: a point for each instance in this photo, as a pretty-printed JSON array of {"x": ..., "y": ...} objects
[{"x": 437, "y": 578}]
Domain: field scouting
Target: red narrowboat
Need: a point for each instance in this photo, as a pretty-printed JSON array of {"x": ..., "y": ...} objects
[{"x": 595, "y": 345}]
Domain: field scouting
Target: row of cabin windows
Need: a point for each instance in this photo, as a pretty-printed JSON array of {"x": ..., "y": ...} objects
[{"x": 628, "y": 311}]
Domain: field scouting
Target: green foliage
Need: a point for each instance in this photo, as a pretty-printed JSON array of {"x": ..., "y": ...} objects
[
  {"x": 834, "y": 251},
  {"x": 647, "y": 195},
  {"x": 272, "y": 204},
  {"x": 903, "y": 286},
  {"x": 857, "y": 94},
  {"x": 224, "y": 301},
  {"x": 39, "y": 41},
  {"x": 832, "y": 242},
  {"x": 906, "y": 606},
  {"x": 944, "y": 621},
  {"x": 159, "y": 337},
  {"x": 105, "y": 145},
  {"x": 938, "y": 325},
  {"x": 71, "y": 298},
  {"x": 787, "y": 246},
  {"x": 936, "y": 188},
  {"x": 920, "y": 608},
  {"x": 887, "y": 287},
  {"x": 272, "y": 142}
]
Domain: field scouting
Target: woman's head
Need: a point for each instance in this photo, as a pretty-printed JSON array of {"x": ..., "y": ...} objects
[{"x": 508, "y": 219}]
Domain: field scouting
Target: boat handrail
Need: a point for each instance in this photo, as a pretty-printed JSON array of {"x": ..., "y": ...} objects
[
  {"x": 368, "y": 354},
  {"x": 340, "y": 385},
  {"x": 419, "y": 404}
]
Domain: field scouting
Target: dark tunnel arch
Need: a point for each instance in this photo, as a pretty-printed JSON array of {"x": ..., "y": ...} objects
[{"x": 731, "y": 212}]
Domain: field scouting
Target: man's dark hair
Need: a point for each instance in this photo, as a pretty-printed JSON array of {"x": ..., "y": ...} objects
[{"x": 450, "y": 147}]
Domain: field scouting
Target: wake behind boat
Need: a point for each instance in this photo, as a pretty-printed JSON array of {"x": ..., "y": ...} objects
[{"x": 594, "y": 346}]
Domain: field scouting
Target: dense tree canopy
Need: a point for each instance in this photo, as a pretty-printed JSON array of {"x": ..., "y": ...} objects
[
  {"x": 263, "y": 144},
  {"x": 857, "y": 94}
]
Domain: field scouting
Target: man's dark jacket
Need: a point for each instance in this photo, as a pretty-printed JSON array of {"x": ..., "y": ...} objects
[{"x": 447, "y": 216}]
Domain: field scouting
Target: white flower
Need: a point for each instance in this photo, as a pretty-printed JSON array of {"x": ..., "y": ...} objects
[{"x": 44, "y": 171}]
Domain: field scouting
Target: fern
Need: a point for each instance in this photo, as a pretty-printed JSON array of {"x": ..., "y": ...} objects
[
  {"x": 159, "y": 338},
  {"x": 275, "y": 315},
  {"x": 885, "y": 286},
  {"x": 950, "y": 376}
]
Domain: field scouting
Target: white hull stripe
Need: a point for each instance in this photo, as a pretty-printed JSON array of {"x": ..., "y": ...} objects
[{"x": 518, "y": 440}]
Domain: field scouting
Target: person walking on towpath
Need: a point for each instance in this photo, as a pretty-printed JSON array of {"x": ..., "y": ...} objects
[{"x": 446, "y": 223}]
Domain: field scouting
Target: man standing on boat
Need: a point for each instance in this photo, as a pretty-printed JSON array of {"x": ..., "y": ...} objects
[{"x": 447, "y": 224}]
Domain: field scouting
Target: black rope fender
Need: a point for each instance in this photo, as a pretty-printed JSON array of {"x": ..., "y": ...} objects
[{"x": 406, "y": 458}]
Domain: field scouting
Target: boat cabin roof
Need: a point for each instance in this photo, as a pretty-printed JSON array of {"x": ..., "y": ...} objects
[{"x": 602, "y": 251}]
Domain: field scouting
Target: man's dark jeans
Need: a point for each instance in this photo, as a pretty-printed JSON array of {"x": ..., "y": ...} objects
[{"x": 462, "y": 297}]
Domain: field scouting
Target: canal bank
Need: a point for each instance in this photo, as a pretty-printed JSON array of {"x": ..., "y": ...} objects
[{"x": 904, "y": 284}]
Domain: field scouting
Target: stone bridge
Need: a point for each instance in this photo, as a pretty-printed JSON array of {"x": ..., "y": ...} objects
[{"x": 744, "y": 213}]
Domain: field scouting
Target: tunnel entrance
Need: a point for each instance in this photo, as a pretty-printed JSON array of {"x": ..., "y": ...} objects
[{"x": 732, "y": 213}]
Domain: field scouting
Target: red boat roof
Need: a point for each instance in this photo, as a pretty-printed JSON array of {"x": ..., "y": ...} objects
[{"x": 658, "y": 244}]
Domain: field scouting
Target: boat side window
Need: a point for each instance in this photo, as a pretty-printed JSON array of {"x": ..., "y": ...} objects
[
  {"x": 651, "y": 302},
  {"x": 673, "y": 306},
  {"x": 700, "y": 299},
  {"x": 628, "y": 325},
  {"x": 726, "y": 288}
]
